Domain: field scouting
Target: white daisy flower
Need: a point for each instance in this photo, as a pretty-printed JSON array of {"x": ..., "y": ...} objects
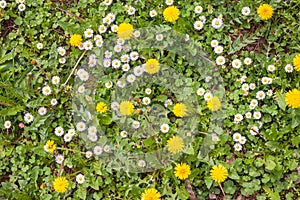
[
  {"x": 61, "y": 51},
  {"x": 121, "y": 83},
  {"x": 98, "y": 37},
  {"x": 125, "y": 67},
  {"x": 7, "y": 124},
  {"x": 107, "y": 2},
  {"x": 220, "y": 60},
  {"x": 236, "y": 63},
  {"x": 46, "y": 90},
  {"x": 248, "y": 115},
  {"x": 123, "y": 134},
  {"x": 72, "y": 132},
  {"x": 198, "y": 9},
  {"x": 106, "y": 20},
  {"x": 92, "y": 137},
  {"x": 120, "y": 41},
  {"x": 98, "y": 150},
  {"x": 254, "y": 130},
  {"x": 88, "y": 33},
  {"x": 106, "y": 148},
  {"x": 254, "y": 102},
  {"x": 257, "y": 115},
  {"x": 111, "y": 16},
  {"x": 202, "y": 19},
  {"x": 245, "y": 87},
  {"x": 289, "y": 68},
  {"x": 131, "y": 10},
  {"x": 246, "y": 11},
  {"x": 260, "y": 95},
  {"x": 146, "y": 100},
  {"x": 152, "y": 13},
  {"x": 80, "y": 126},
  {"x": 28, "y": 118},
  {"x": 99, "y": 43},
  {"x": 125, "y": 58},
  {"x": 59, "y": 131},
  {"x": 67, "y": 137},
  {"x": 81, "y": 89},
  {"x": 247, "y": 61},
  {"x": 88, "y": 45},
  {"x": 136, "y": 34},
  {"x": 92, "y": 130},
  {"x": 102, "y": 28},
  {"x": 59, "y": 159},
  {"x": 270, "y": 93},
  {"x": 117, "y": 48},
  {"x": 42, "y": 111},
  {"x": 62, "y": 60},
  {"x": 116, "y": 63},
  {"x": 271, "y": 68},
  {"x": 217, "y": 23},
  {"x": 159, "y": 37},
  {"x": 169, "y": 2},
  {"x": 215, "y": 137},
  {"x": 236, "y": 137},
  {"x": 134, "y": 55},
  {"x": 114, "y": 28},
  {"x": 39, "y": 46},
  {"x": 108, "y": 84},
  {"x": 131, "y": 78},
  {"x": 238, "y": 118},
  {"x": 138, "y": 70},
  {"x": 53, "y": 102},
  {"x": 252, "y": 86},
  {"x": 148, "y": 91},
  {"x": 80, "y": 179},
  {"x": 21, "y": 7},
  {"x": 108, "y": 54},
  {"x": 164, "y": 128},
  {"x": 198, "y": 25},
  {"x": 83, "y": 75},
  {"x": 88, "y": 154},
  {"x": 55, "y": 80},
  {"x": 208, "y": 96},
  {"x": 242, "y": 140},
  {"x": 237, "y": 147},
  {"x": 106, "y": 63},
  {"x": 218, "y": 49},
  {"x": 168, "y": 103},
  {"x": 3, "y": 4},
  {"x": 115, "y": 106},
  {"x": 200, "y": 91},
  {"x": 135, "y": 124},
  {"x": 142, "y": 163}
]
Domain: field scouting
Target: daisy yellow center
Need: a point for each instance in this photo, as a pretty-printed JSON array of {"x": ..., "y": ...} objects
[
  {"x": 265, "y": 11},
  {"x": 219, "y": 173},
  {"x": 126, "y": 108},
  {"x": 180, "y": 110},
  {"x": 125, "y": 31},
  {"x": 182, "y": 171},
  {"x": 152, "y": 66},
  {"x": 75, "y": 40},
  {"x": 175, "y": 144},
  {"x": 171, "y": 13},
  {"x": 292, "y": 98}
]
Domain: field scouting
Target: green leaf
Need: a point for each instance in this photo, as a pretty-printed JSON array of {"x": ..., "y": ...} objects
[
  {"x": 270, "y": 164},
  {"x": 11, "y": 111},
  {"x": 272, "y": 195},
  {"x": 279, "y": 97}
]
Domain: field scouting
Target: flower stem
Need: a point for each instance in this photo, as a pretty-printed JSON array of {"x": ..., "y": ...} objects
[{"x": 222, "y": 191}]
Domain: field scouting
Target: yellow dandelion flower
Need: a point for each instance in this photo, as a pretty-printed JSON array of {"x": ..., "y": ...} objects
[
  {"x": 180, "y": 110},
  {"x": 182, "y": 171},
  {"x": 152, "y": 66},
  {"x": 171, "y": 13},
  {"x": 292, "y": 98},
  {"x": 125, "y": 31},
  {"x": 265, "y": 11},
  {"x": 60, "y": 184},
  {"x": 214, "y": 103},
  {"x": 101, "y": 107},
  {"x": 126, "y": 108},
  {"x": 50, "y": 146},
  {"x": 150, "y": 194},
  {"x": 75, "y": 40},
  {"x": 175, "y": 144},
  {"x": 219, "y": 173},
  {"x": 296, "y": 62}
]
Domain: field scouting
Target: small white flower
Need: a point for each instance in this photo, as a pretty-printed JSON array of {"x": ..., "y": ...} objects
[
  {"x": 135, "y": 124},
  {"x": 138, "y": 70},
  {"x": 61, "y": 51},
  {"x": 102, "y": 28},
  {"x": 246, "y": 11},
  {"x": 106, "y": 20},
  {"x": 99, "y": 43},
  {"x": 98, "y": 37},
  {"x": 125, "y": 58},
  {"x": 242, "y": 140},
  {"x": 117, "y": 48},
  {"x": 108, "y": 84},
  {"x": 92, "y": 130},
  {"x": 114, "y": 28},
  {"x": 215, "y": 137},
  {"x": 208, "y": 96},
  {"x": 108, "y": 54},
  {"x": 59, "y": 131},
  {"x": 217, "y": 23},
  {"x": 257, "y": 115},
  {"x": 131, "y": 78},
  {"x": 67, "y": 137},
  {"x": 142, "y": 163},
  {"x": 107, "y": 2},
  {"x": 59, "y": 159},
  {"x": 237, "y": 147},
  {"x": 238, "y": 118},
  {"x": 152, "y": 13},
  {"x": 21, "y": 7},
  {"x": 42, "y": 111},
  {"x": 92, "y": 137},
  {"x": 88, "y": 154},
  {"x": 131, "y": 10},
  {"x": 28, "y": 118},
  {"x": 198, "y": 9},
  {"x": 289, "y": 68},
  {"x": 198, "y": 25},
  {"x": 55, "y": 80},
  {"x": 270, "y": 93},
  {"x": 169, "y": 2},
  {"x": 200, "y": 91},
  {"x": 168, "y": 102},
  {"x": 254, "y": 130},
  {"x": 83, "y": 75},
  {"x": 134, "y": 56},
  {"x": 111, "y": 16},
  {"x": 88, "y": 45},
  {"x": 247, "y": 61},
  {"x": 159, "y": 37},
  {"x": 62, "y": 60},
  {"x": 136, "y": 34},
  {"x": 80, "y": 126},
  {"x": 120, "y": 41},
  {"x": 106, "y": 63},
  {"x": 260, "y": 95},
  {"x": 252, "y": 86},
  {"x": 88, "y": 33},
  {"x": 39, "y": 46},
  {"x": 115, "y": 106},
  {"x": 202, "y": 19},
  {"x": 220, "y": 60},
  {"x": 248, "y": 115},
  {"x": 123, "y": 134},
  {"x": 254, "y": 102},
  {"x": 245, "y": 87},
  {"x": 148, "y": 91},
  {"x": 218, "y": 49},
  {"x": 7, "y": 124},
  {"x": 236, "y": 137},
  {"x": 80, "y": 179},
  {"x": 53, "y": 102},
  {"x": 2, "y": 4},
  {"x": 106, "y": 148},
  {"x": 271, "y": 68},
  {"x": 146, "y": 100},
  {"x": 71, "y": 132},
  {"x": 236, "y": 63},
  {"x": 81, "y": 89},
  {"x": 46, "y": 90},
  {"x": 164, "y": 128},
  {"x": 98, "y": 150}
]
